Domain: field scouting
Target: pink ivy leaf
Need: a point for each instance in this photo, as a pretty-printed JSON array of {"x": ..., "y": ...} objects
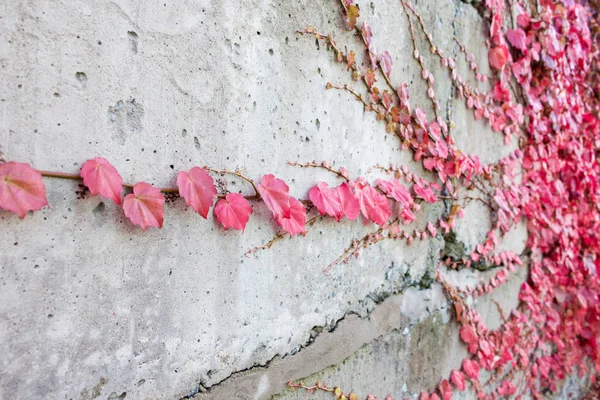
[
  {"x": 498, "y": 56},
  {"x": 398, "y": 191},
  {"x": 102, "y": 178},
  {"x": 445, "y": 389},
  {"x": 198, "y": 189},
  {"x": 507, "y": 388},
  {"x": 421, "y": 117},
  {"x": 471, "y": 369},
  {"x": 145, "y": 206},
  {"x": 294, "y": 224},
  {"x": 458, "y": 379},
  {"x": 373, "y": 205},
  {"x": 385, "y": 60},
  {"x": 21, "y": 188},
  {"x": 326, "y": 200},
  {"x": 407, "y": 216},
  {"x": 425, "y": 193},
  {"x": 367, "y": 33},
  {"x": 432, "y": 230},
  {"x": 275, "y": 194},
  {"x": 349, "y": 204},
  {"x": 517, "y": 38},
  {"x": 233, "y": 211}
]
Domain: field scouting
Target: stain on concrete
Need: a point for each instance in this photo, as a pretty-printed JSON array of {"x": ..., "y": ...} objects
[{"x": 126, "y": 119}]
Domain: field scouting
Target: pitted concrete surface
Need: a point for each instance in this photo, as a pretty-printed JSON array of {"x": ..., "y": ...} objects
[{"x": 91, "y": 307}]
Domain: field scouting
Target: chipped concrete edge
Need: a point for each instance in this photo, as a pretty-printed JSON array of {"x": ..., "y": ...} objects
[{"x": 329, "y": 348}]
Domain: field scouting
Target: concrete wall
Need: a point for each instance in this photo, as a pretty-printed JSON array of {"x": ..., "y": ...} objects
[{"x": 92, "y": 307}]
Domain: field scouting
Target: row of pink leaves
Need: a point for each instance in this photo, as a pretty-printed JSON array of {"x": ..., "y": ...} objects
[{"x": 22, "y": 190}]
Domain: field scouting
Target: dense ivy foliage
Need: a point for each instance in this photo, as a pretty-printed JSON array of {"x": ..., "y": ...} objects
[{"x": 545, "y": 95}]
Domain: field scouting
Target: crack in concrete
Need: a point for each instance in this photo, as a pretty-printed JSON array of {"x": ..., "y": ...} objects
[{"x": 328, "y": 345}]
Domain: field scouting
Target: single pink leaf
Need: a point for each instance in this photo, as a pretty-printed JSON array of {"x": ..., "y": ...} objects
[
  {"x": 294, "y": 224},
  {"x": 145, "y": 206},
  {"x": 425, "y": 193},
  {"x": 398, "y": 191},
  {"x": 471, "y": 369},
  {"x": 421, "y": 117},
  {"x": 385, "y": 60},
  {"x": 102, "y": 178},
  {"x": 467, "y": 334},
  {"x": 497, "y": 56},
  {"x": 326, "y": 200},
  {"x": 367, "y": 33},
  {"x": 432, "y": 230},
  {"x": 407, "y": 216},
  {"x": 458, "y": 379},
  {"x": 507, "y": 388},
  {"x": 373, "y": 205},
  {"x": 233, "y": 211},
  {"x": 517, "y": 38},
  {"x": 198, "y": 189},
  {"x": 275, "y": 194},
  {"x": 21, "y": 188},
  {"x": 445, "y": 389},
  {"x": 349, "y": 204}
]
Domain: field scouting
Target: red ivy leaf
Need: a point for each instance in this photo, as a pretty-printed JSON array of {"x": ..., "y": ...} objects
[
  {"x": 373, "y": 205},
  {"x": 102, "y": 178},
  {"x": 467, "y": 334},
  {"x": 198, "y": 189},
  {"x": 385, "y": 60},
  {"x": 294, "y": 224},
  {"x": 517, "y": 38},
  {"x": 348, "y": 202},
  {"x": 276, "y": 196},
  {"x": 352, "y": 15},
  {"x": 425, "y": 193},
  {"x": 421, "y": 117},
  {"x": 233, "y": 211},
  {"x": 398, "y": 191},
  {"x": 145, "y": 206},
  {"x": 370, "y": 78},
  {"x": 497, "y": 57},
  {"x": 445, "y": 389},
  {"x": 458, "y": 379},
  {"x": 326, "y": 200},
  {"x": 367, "y": 33},
  {"x": 21, "y": 188},
  {"x": 471, "y": 368}
]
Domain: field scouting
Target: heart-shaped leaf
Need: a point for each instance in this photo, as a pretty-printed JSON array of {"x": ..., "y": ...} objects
[
  {"x": 276, "y": 196},
  {"x": 326, "y": 200},
  {"x": 233, "y": 211},
  {"x": 385, "y": 60},
  {"x": 102, "y": 178},
  {"x": 294, "y": 224},
  {"x": 458, "y": 379},
  {"x": 145, "y": 206},
  {"x": 349, "y": 205},
  {"x": 198, "y": 189},
  {"x": 21, "y": 188},
  {"x": 373, "y": 205}
]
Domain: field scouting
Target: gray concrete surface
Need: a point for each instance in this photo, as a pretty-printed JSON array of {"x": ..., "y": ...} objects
[{"x": 92, "y": 307}]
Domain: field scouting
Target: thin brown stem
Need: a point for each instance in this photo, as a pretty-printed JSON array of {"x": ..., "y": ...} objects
[
  {"x": 281, "y": 235},
  {"x": 315, "y": 165},
  {"x": 66, "y": 175},
  {"x": 239, "y": 175}
]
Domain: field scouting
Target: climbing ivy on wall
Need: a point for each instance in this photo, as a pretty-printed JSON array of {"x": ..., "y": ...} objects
[{"x": 545, "y": 95}]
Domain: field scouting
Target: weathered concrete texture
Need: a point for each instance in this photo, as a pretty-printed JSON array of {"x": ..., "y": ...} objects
[{"x": 91, "y": 307}]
